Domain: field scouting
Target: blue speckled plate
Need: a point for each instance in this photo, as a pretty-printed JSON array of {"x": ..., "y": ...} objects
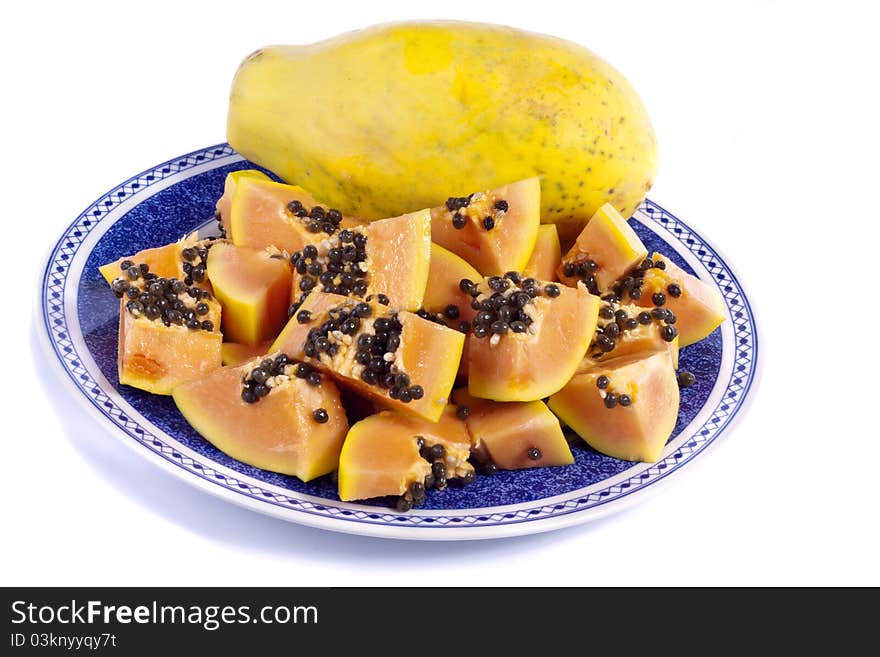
[{"x": 163, "y": 203}]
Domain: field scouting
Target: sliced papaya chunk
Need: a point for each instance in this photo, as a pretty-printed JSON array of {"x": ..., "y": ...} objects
[
  {"x": 390, "y": 257},
  {"x": 528, "y": 338},
  {"x": 388, "y": 453},
  {"x": 164, "y": 261},
  {"x": 696, "y": 307},
  {"x": 265, "y": 213},
  {"x": 168, "y": 334},
  {"x": 547, "y": 255},
  {"x": 625, "y": 329},
  {"x": 289, "y": 425},
  {"x": 397, "y": 358},
  {"x": 495, "y": 230},
  {"x": 514, "y": 435},
  {"x": 624, "y": 407},
  {"x": 444, "y": 295},
  {"x": 253, "y": 288},
  {"x": 606, "y": 249},
  {"x": 236, "y": 353},
  {"x": 224, "y": 203}
]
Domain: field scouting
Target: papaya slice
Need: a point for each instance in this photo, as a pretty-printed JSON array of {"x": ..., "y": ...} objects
[
  {"x": 626, "y": 329},
  {"x": 444, "y": 295},
  {"x": 693, "y": 308},
  {"x": 445, "y": 301},
  {"x": 253, "y": 288},
  {"x": 528, "y": 337},
  {"x": 514, "y": 435},
  {"x": 546, "y": 256},
  {"x": 292, "y": 425},
  {"x": 224, "y": 203},
  {"x": 606, "y": 249},
  {"x": 168, "y": 333},
  {"x": 495, "y": 230},
  {"x": 390, "y": 257},
  {"x": 236, "y": 353},
  {"x": 397, "y": 358},
  {"x": 391, "y": 454},
  {"x": 166, "y": 261},
  {"x": 624, "y": 407},
  {"x": 266, "y": 213}
]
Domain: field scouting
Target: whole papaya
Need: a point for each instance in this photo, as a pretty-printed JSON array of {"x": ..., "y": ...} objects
[{"x": 398, "y": 117}]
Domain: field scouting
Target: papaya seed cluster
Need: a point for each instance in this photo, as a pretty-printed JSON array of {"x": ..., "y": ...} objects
[
  {"x": 316, "y": 219},
  {"x": 272, "y": 372},
  {"x": 445, "y": 468},
  {"x": 484, "y": 210},
  {"x": 618, "y": 322},
  {"x": 505, "y": 304},
  {"x": 375, "y": 341},
  {"x": 166, "y": 300},
  {"x": 336, "y": 265}
]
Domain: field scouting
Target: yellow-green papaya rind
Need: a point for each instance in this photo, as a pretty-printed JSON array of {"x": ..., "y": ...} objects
[{"x": 401, "y": 116}]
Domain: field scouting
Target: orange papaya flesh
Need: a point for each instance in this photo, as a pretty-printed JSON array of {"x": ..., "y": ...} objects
[
  {"x": 224, "y": 203},
  {"x": 253, "y": 287},
  {"x": 290, "y": 426},
  {"x": 624, "y": 407},
  {"x": 266, "y": 213},
  {"x": 443, "y": 294},
  {"x": 236, "y": 353},
  {"x": 495, "y": 230},
  {"x": 696, "y": 307},
  {"x": 396, "y": 358},
  {"x": 396, "y": 454},
  {"x": 625, "y": 329},
  {"x": 182, "y": 260},
  {"x": 547, "y": 255},
  {"x": 168, "y": 334},
  {"x": 605, "y": 251},
  {"x": 529, "y": 337},
  {"x": 390, "y": 257},
  {"x": 514, "y": 435}
]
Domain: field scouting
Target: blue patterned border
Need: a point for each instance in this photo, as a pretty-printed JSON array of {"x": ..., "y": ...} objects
[{"x": 56, "y": 325}]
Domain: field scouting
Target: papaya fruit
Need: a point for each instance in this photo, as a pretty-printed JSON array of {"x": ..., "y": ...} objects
[
  {"x": 264, "y": 213},
  {"x": 224, "y": 203},
  {"x": 693, "y": 308},
  {"x": 606, "y": 249},
  {"x": 392, "y": 453},
  {"x": 528, "y": 337},
  {"x": 547, "y": 255},
  {"x": 443, "y": 294},
  {"x": 513, "y": 435},
  {"x": 396, "y": 358},
  {"x": 390, "y": 257},
  {"x": 265, "y": 414},
  {"x": 253, "y": 288},
  {"x": 184, "y": 260},
  {"x": 168, "y": 333},
  {"x": 236, "y": 353},
  {"x": 399, "y": 116},
  {"x": 494, "y": 230},
  {"x": 625, "y": 329},
  {"x": 624, "y": 407}
]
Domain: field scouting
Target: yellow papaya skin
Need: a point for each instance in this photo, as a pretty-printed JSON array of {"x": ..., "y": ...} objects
[{"x": 401, "y": 116}]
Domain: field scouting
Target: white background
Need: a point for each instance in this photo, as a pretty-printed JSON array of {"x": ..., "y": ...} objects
[{"x": 767, "y": 122}]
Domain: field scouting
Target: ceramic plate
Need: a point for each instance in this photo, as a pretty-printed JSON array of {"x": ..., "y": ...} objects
[{"x": 78, "y": 315}]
